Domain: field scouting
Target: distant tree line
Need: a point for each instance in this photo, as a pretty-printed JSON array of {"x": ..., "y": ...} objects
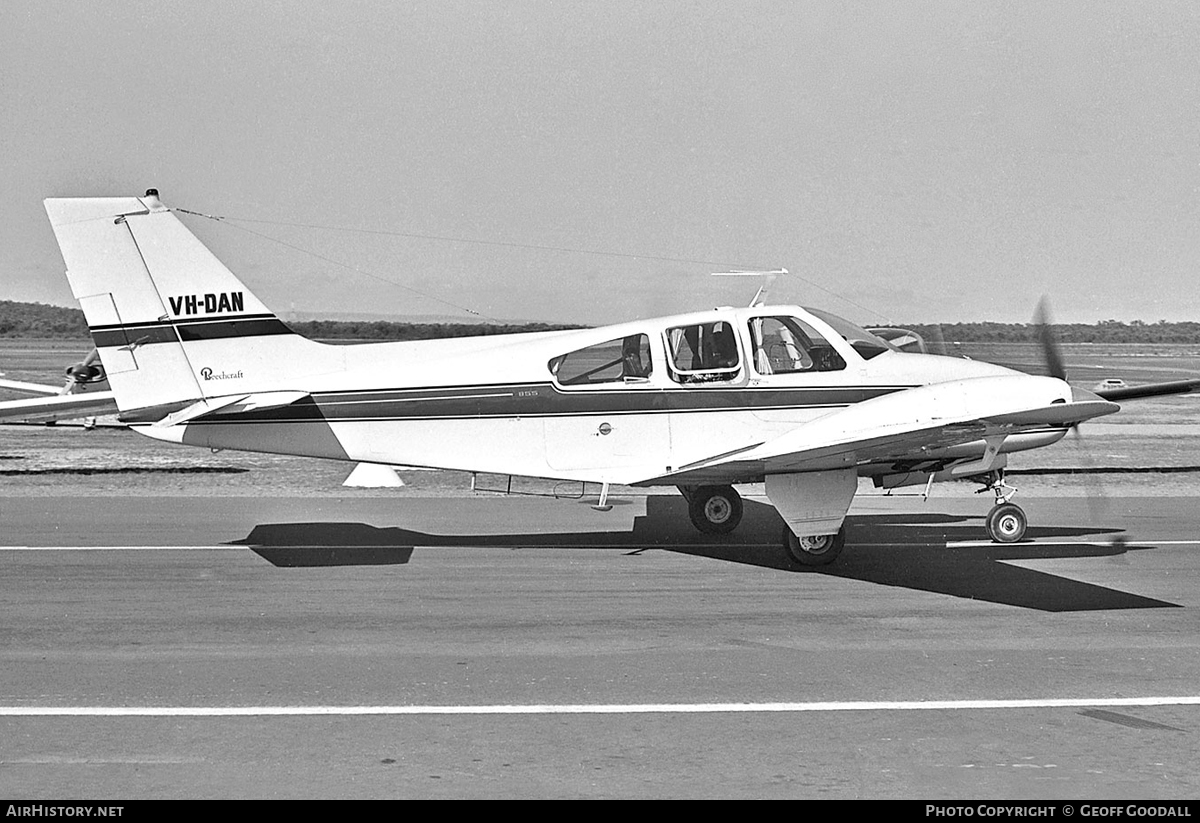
[
  {"x": 385, "y": 330},
  {"x": 38, "y": 320},
  {"x": 1106, "y": 331}
]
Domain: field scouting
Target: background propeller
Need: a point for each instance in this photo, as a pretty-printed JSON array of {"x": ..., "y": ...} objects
[{"x": 82, "y": 374}]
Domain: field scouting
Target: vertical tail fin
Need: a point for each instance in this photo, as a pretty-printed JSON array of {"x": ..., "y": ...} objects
[{"x": 170, "y": 321}]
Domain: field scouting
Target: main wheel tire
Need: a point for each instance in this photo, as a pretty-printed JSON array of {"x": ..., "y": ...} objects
[
  {"x": 1006, "y": 523},
  {"x": 817, "y": 550},
  {"x": 715, "y": 509}
]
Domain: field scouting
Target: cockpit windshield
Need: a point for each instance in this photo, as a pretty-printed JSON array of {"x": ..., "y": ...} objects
[{"x": 863, "y": 342}]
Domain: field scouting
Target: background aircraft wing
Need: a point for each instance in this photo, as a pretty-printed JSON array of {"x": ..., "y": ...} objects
[
  {"x": 59, "y": 407},
  {"x": 1150, "y": 390},
  {"x": 29, "y": 388}
]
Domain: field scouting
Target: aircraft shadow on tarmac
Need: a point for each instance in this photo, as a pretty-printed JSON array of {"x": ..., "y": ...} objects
[{"x": 904, "y": 550}]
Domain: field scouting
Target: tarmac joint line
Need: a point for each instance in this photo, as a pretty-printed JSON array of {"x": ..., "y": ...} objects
[{"x": 600, "y": 708}]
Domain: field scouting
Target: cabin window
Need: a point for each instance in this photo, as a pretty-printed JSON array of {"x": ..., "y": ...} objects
[
  {"x": 703, "y": 353},
  {"x": 626, "y": 359},
  {"x": 785, "y": 345}
]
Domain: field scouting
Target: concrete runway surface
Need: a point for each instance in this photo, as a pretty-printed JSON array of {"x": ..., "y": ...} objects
[{"x": 232, "y": 647}]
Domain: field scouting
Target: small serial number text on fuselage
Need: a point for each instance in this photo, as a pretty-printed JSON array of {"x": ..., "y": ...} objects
[{"x": 207, "y": 303}]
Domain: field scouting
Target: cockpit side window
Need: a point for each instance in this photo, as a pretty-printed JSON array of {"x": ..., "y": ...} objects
[
  {"x": 626, "y": 359},
  {"x": 786, "y": 345},
  {"x": 703, "y": 353}
]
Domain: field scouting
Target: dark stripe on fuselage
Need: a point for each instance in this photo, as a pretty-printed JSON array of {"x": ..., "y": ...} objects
[
  {"x": 546, "y": 400},
  {"x": 172, "y": 331}
]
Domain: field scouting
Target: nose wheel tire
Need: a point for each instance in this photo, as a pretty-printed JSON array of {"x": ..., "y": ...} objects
[
  {"x": 816, "y": 550},
  {"x": 1006, "y": 523},
  {"x": 715, "y": 509}
]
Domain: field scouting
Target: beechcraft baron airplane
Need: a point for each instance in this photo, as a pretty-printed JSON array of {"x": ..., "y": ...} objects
[{"x": 796, "y": 398}]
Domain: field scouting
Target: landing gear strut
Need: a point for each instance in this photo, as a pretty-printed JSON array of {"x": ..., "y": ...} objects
[
  {"x": 1006, "y": 522},
  {"x": 713, "y": 509}
]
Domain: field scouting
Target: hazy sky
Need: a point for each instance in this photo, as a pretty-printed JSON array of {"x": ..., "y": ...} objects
[{"x": 919, "y": 160}]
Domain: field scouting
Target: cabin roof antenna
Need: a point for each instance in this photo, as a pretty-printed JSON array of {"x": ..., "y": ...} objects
[{"x": 769, "y": 276}]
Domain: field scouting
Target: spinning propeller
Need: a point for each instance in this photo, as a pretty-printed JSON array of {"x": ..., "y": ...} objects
[
  {"x": 1097, "y": 500},
  {"x": 1054, "y": 363},
  {"x": 1051, "y": 351}
]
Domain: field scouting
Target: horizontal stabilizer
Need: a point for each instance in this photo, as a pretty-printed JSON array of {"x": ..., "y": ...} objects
[{"x": 233, "y": 404}]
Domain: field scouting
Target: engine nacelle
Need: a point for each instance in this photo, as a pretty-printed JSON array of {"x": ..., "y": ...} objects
[{"x": 85, "y": 373}]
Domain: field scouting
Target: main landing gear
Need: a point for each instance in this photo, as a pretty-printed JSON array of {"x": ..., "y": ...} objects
[
  {"x": 718, "y": 510},
  {"x": 713, "y": 509},
  {"x": 818, "y": 550},
  {"x": 1006, "y": 522}
]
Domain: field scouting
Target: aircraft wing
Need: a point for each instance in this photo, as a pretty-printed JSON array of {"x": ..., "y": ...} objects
[
  {"x": 59, "y": 407},
  {"x": 911, "y": 425}
]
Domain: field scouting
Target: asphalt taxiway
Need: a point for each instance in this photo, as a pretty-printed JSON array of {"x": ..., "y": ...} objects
[{"x": 487, "y": 647}]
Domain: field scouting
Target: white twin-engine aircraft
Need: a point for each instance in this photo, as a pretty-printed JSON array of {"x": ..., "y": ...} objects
[{"x": 797, "y": 398}]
